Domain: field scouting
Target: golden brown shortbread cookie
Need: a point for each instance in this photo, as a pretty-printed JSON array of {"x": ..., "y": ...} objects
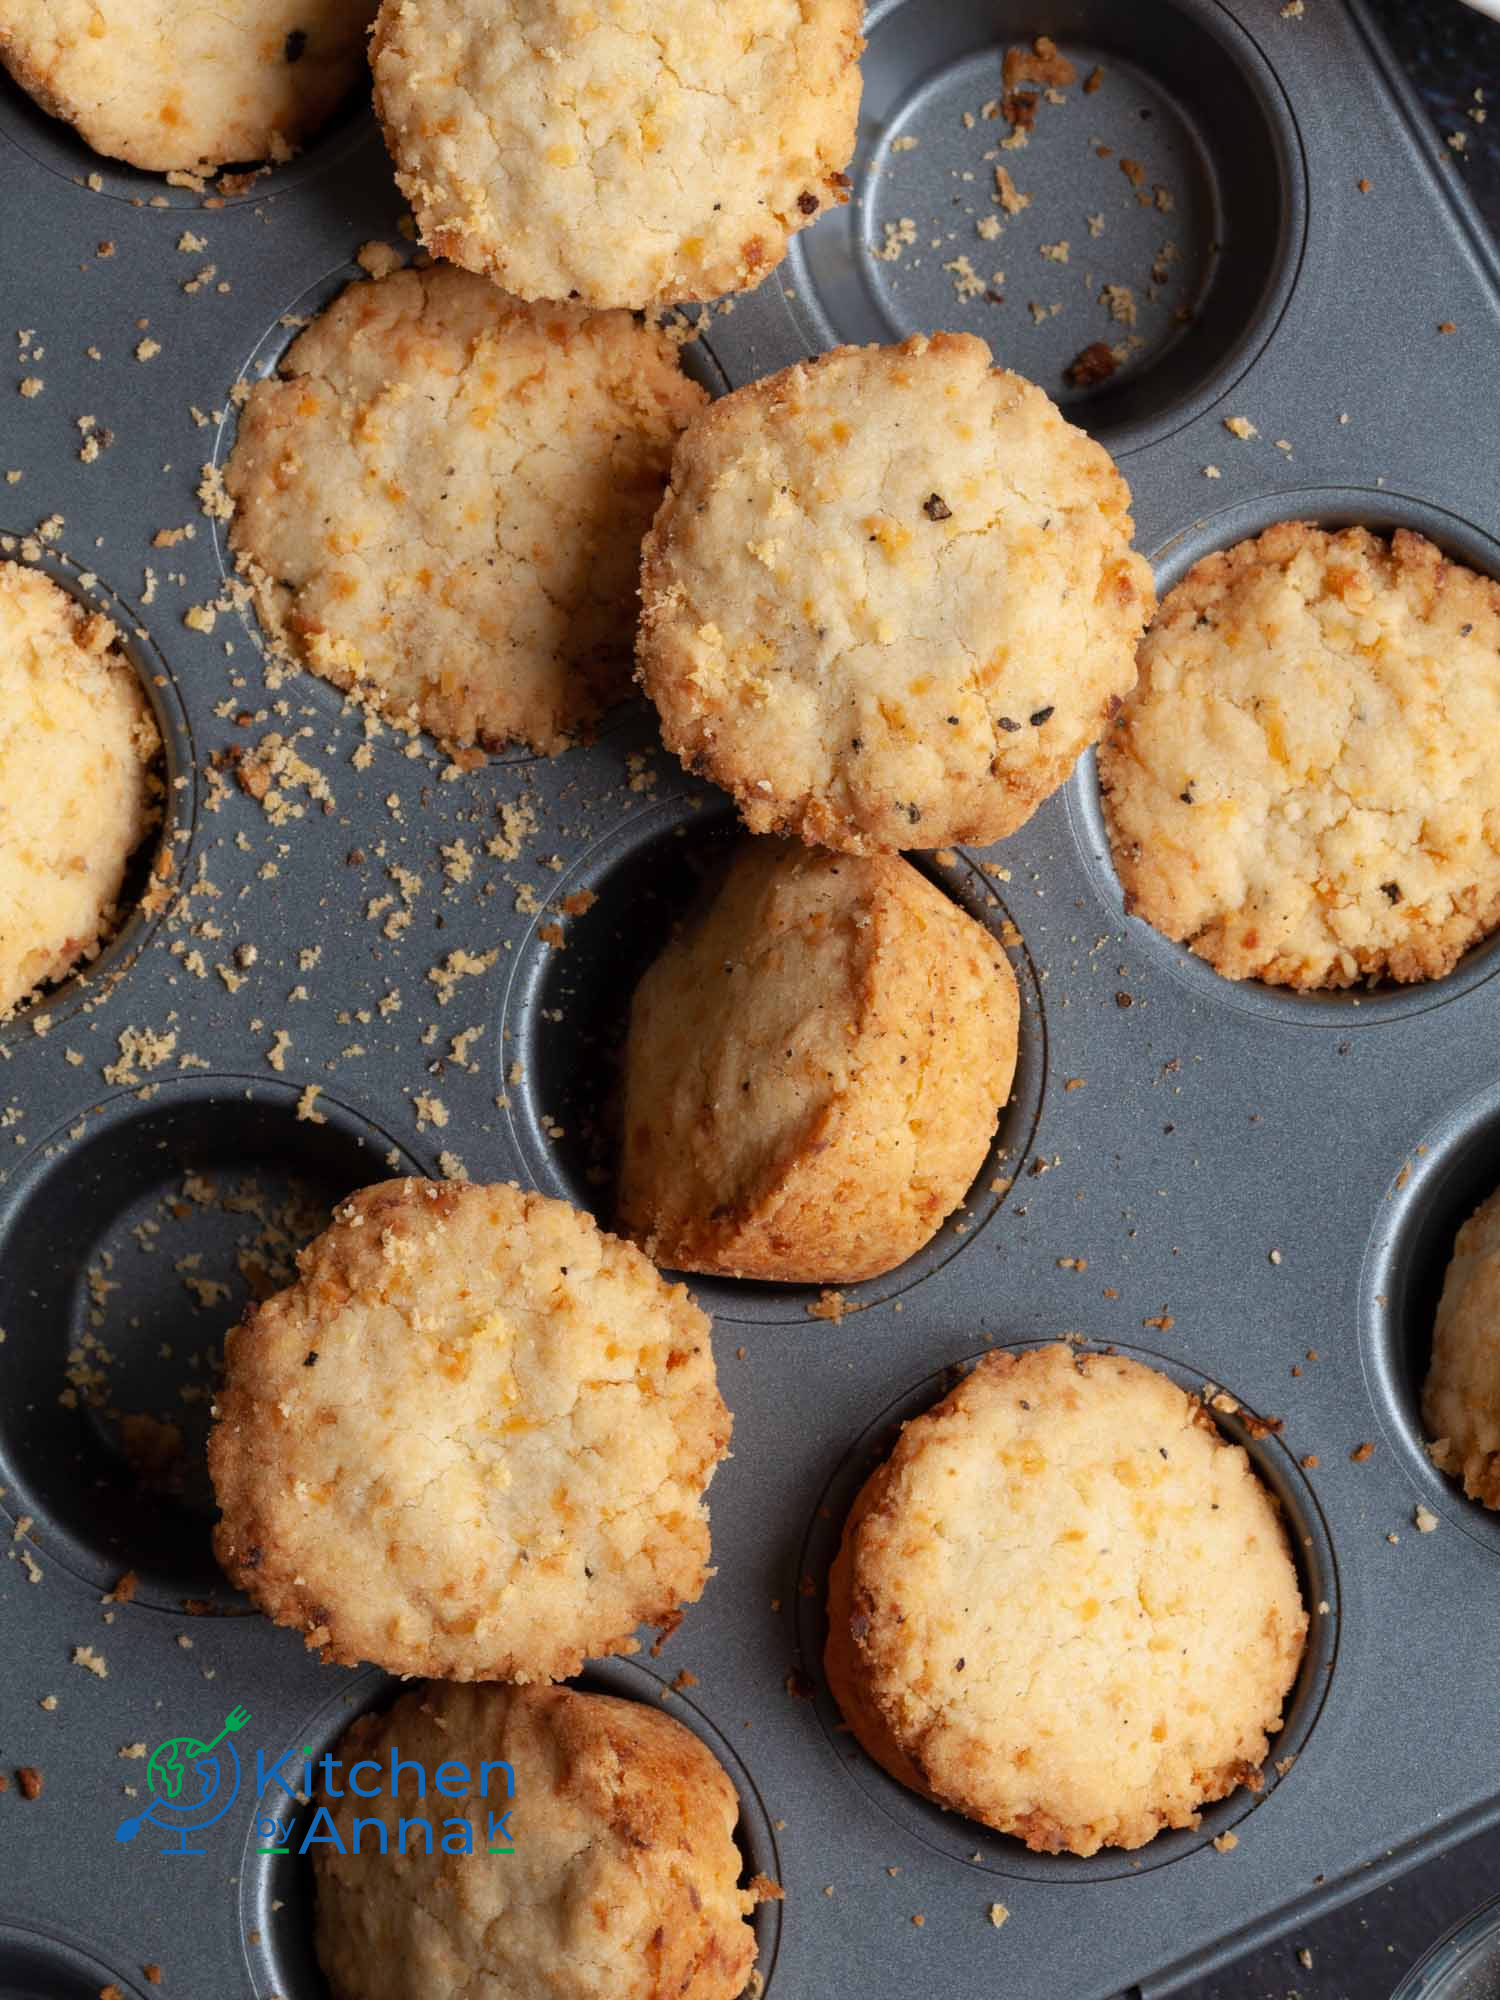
[
  {"x": 624, "y": 1883},
  {"x": 889, "y": 597},
  {"x": 440, "y": 500},
  {"x": 80, "y": 786},
  {"x": 1303, "y": 787},
  {"x": 175, "y": 84},
  {"x": 659, "y": 152},
  {"x": 472, "y": 1440},
  {"x": 1461, "y": 1400},
  {"x": 814, "y": 1070},
  {"x": 1078, "y": 1509}
]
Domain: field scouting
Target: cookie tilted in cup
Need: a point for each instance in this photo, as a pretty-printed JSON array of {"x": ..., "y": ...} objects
[
  {"x": 439, "y": 501},
  {"x": 621, "y": 1880},
  {"x": 472, "y": 1440},
  {"x": 650, "y": 153},
  {"x": 1461, "y": 1399},
  {"x": 889, "y": 597},
  {"x": 1304, "y": 788},
  {"x": 1065, "y": 1606},
  {"x": 814, "y": 1070}
]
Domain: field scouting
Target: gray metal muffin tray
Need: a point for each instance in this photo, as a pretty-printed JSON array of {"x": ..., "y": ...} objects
[{"x": 1256, "y": 1190}]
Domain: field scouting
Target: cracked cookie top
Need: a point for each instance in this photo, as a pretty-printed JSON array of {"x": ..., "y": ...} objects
[
  {"x": 655, "y": 152},
  {"x": 167, "y": 86},
  {"x": 1304, "y": 786},
  {"x": 439, "y": 502},
  {"x": 1065, "y": 1605},
  {"x": 79, "y": 784},
  {"x": 889, "y": 597},
  {"x": 471, "y": 1441}
]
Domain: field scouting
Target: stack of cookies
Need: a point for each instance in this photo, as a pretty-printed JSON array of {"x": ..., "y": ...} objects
[{"x": 471, "y": 1441}]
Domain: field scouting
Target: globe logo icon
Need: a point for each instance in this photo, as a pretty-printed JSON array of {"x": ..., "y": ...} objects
[{"x": 194, "y": 1783}]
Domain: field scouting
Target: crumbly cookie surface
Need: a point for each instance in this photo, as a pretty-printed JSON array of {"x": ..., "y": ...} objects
[
  {"x": 439, "y": 502},
  {"x": 472, "y": 1440},
  {"x": 889, "y": 597},
  {"x": 814, "y": 1070},
  {"x": 1461, "y": 1401},
  {"x": 1303, "y": 787},
  {"x": 79, "y": 787},
  {"x": 624, "y": 1883},
  {"x": 1068, "y": 1508},
  {"x": 657, "y": 152},
  {"x": 167, "y": 84}
]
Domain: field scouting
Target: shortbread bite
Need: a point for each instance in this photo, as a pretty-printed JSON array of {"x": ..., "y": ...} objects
[
  {"x": 1304, "y": 787},
  {"x": 889, "y": 597},
  {"x": 471, "y": 1441},
  {"x": 174, "y": 87},
  {"x": 651, "y": 153},
  {"x": 440, "y": 498},
  {"x": 80, "y": 784},
  {"x": 1065, "y": 1606}
]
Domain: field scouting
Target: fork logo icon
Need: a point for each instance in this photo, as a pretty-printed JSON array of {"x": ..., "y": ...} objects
[{"x": 194, "y": 1783}]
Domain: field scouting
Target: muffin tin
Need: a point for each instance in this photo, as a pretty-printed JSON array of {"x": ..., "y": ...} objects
[{"x": 1225, "y": 1179}]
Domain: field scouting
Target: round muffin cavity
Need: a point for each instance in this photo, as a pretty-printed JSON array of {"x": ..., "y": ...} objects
[
  {"x": 889, "y": 597},
  {"x": 166, "y": 86},
  {"x": 1461, "y": 1400},
  {"x": 624, "y": 1883},
  {"x": 659, "y": 151},
  {"x": 814, "y": 1070},
  {"x": 439, "y": 502},
  {"x": 472, "y": 1440},
  {"x": 80, "y": 785},
  {"x": 1303, "y": 787},
  {"x": 1075, "y": 1509}
]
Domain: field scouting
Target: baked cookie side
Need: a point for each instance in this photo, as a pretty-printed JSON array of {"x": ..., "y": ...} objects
[
  {"x": 625, "y": 1880},
  {"x": 814, "y": 1070}
]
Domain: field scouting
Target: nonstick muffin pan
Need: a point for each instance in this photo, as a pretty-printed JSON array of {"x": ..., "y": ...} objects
[{"x": 372, "y": 961}]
